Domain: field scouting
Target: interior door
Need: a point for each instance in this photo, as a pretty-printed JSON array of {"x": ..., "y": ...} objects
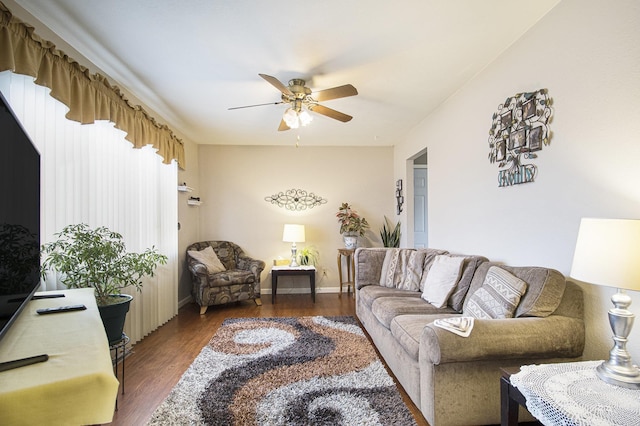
[{"x": 420, "y": 237}]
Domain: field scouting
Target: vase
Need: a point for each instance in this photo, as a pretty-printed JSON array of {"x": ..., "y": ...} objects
[{"x": 350, "y": 241}]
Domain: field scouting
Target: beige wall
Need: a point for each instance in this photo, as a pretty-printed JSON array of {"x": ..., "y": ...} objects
[
  {"x": 586, "y": 53},
  {"x": 234, "y": 181}
]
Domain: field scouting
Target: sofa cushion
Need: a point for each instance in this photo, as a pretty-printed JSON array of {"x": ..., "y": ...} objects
[
  {"x": 540, "y": 300},
  {"x": 441, "y": 280},
  {"x": 545, "y": 288},
  {"x": 407, "y": 329},
  {"x": 368, "y": 264},
  {"x": 371, "y": 292},
  {"x": 386, "y": 309},
  {"x": 498, "y": 297},
  {"x": 208, "y": 258},
  {"x": 457, "y": 297}
]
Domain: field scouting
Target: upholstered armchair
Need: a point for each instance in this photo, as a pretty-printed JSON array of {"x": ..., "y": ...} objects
[{"x": 228, "y": 276}]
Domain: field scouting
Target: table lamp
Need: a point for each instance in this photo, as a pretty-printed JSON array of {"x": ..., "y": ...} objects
[
  {"x": 608, "y": 253},
  {"x": 293, "y": 234}
]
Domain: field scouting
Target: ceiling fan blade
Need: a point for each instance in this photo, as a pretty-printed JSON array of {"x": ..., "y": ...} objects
[
  {"x": 257, "y": 105},
  {"x": 332, "y": 113},
  {"x": 334, "y": 93},
  {"x": 277, "y": 84},
  {"x": 283, "y": 126}
]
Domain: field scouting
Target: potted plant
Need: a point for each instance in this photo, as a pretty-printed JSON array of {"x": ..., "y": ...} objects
[
  {"x": 97, "y": 258},
  {"x": 351, "y": 225},
  {"x": 308, "y": 256},
  {"x": 390, "y": 238}
]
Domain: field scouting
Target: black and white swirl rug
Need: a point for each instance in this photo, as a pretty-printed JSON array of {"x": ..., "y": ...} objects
[{"x": 285, "y": 371}]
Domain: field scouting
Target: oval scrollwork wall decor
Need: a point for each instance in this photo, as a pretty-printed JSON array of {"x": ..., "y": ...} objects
[
  {"x": 519, "y": 129},
  {"x": 295, "y": 199}
]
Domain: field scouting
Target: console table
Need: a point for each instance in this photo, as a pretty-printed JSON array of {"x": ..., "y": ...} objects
[
  {"x": 281, "y": 271},
  {"x": 567, "y": 393},
  {"x": 77, "y": 384}
]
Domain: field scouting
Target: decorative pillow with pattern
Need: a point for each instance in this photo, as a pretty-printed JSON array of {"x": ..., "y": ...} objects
[
  {"x": 209, "y": 258},
  {"x": 389, "y": 267},
  {"x": 442, "y": 279},
  {"x": 498, "y": 297},
  {"x": 413, "y": 271}
]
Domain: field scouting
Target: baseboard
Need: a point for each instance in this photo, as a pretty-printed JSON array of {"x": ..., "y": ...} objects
[
  {"x": 281, "y": 290},
  {"x": 301, "y": 290},
  {"x": 185, "y": 301}
]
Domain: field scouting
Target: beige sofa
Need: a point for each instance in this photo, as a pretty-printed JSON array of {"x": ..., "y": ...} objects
[{"x": 455, "y": 380}]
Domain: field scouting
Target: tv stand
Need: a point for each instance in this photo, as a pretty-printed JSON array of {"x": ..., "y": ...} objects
[{"x": 78, "y": 374}]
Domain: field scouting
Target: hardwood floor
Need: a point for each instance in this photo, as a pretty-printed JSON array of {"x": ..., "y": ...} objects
[{"x": 160, "y": 359}]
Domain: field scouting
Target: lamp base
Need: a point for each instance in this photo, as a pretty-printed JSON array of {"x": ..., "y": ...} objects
[
  {"x": 618, "y": 369},
  {"x": 294, "y": 255},
  {"x": 624, "y": 376}
]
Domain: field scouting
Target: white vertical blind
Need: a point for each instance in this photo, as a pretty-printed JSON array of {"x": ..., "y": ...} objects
[{"x": 91, "y": 174}]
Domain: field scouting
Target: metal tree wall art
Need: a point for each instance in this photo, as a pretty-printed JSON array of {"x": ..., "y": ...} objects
[
  {"x": 519, "y": 129},
  {"x": 295, "y": 199}
]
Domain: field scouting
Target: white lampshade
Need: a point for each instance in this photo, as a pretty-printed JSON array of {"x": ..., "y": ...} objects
[
  {"x": 293, "y": 233},
  {"x": 608, "y": 253}
]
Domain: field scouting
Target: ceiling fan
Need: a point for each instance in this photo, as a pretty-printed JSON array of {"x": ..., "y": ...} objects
[{"x": 302, "y": 100}]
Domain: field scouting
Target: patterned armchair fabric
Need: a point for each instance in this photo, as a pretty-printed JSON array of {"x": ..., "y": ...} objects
[{"x": 240, "y": 281}]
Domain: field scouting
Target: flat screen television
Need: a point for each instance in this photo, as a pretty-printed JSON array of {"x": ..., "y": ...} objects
[{"x": 19, "y": 217}]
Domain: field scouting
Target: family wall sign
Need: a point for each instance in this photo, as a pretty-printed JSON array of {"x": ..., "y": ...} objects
[{"x": 520, "y": 128}]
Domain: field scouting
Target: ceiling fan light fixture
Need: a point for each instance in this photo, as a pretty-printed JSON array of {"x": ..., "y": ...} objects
[
  {"x": 305, "y": 117},
  {"x": 290, "y": 117}
]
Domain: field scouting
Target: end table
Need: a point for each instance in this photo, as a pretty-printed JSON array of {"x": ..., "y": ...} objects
[
  {"x": 568, "y": 393},
  {"x": 281, "y": 271}
]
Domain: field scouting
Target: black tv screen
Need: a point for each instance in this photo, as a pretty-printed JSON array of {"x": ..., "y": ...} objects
[{"x": 19, "y": 217}]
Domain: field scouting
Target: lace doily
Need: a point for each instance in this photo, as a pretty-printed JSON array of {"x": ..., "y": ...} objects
[{"x": 572, "y": 394}]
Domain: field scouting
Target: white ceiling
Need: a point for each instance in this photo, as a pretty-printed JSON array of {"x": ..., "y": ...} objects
[{"x": 191, "y": 60}]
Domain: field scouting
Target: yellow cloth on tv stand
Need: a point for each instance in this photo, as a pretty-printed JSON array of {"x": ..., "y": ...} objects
[{"x": 76, "y": 385}]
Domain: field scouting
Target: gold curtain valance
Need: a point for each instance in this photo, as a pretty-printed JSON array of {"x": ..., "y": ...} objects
[{"x": 89, "y": 97}]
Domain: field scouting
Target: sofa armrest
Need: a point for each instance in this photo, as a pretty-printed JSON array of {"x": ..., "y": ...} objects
[
  {"x": 197, "y": 269},
  {"x": 247, "y": 263},
  {"x": 552, "y": 337}
]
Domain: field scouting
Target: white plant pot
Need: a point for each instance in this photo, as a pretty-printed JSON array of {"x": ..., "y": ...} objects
[{"x": 350, "y": 241}]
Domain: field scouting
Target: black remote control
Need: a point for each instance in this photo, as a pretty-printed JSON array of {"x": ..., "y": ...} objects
[{"x": 44, "y": 311}]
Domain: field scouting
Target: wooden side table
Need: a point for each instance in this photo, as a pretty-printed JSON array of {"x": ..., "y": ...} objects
[
  {"x": 281, "y": 271},
  {"x": 567, "y": 393},
  {"x": 510, "y": 398},
  {"x": 351, "y": 268}
]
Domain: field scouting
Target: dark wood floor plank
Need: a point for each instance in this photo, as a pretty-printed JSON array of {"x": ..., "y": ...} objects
[{"x": 160, "y": 359}]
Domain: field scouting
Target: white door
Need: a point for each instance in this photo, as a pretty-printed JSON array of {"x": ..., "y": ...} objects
[{"x": 420, "y": 237}]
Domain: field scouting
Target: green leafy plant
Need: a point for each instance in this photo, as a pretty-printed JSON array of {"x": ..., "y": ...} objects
[
  {"x": 97, "y": 258},
  {"x": 350, "y": 221},
  {"x": 308, "y": 256},
  {"x": 390, "y": 238}
]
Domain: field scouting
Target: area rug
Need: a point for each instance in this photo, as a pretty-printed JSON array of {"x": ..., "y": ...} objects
[{"x": 285, "y": 371}]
